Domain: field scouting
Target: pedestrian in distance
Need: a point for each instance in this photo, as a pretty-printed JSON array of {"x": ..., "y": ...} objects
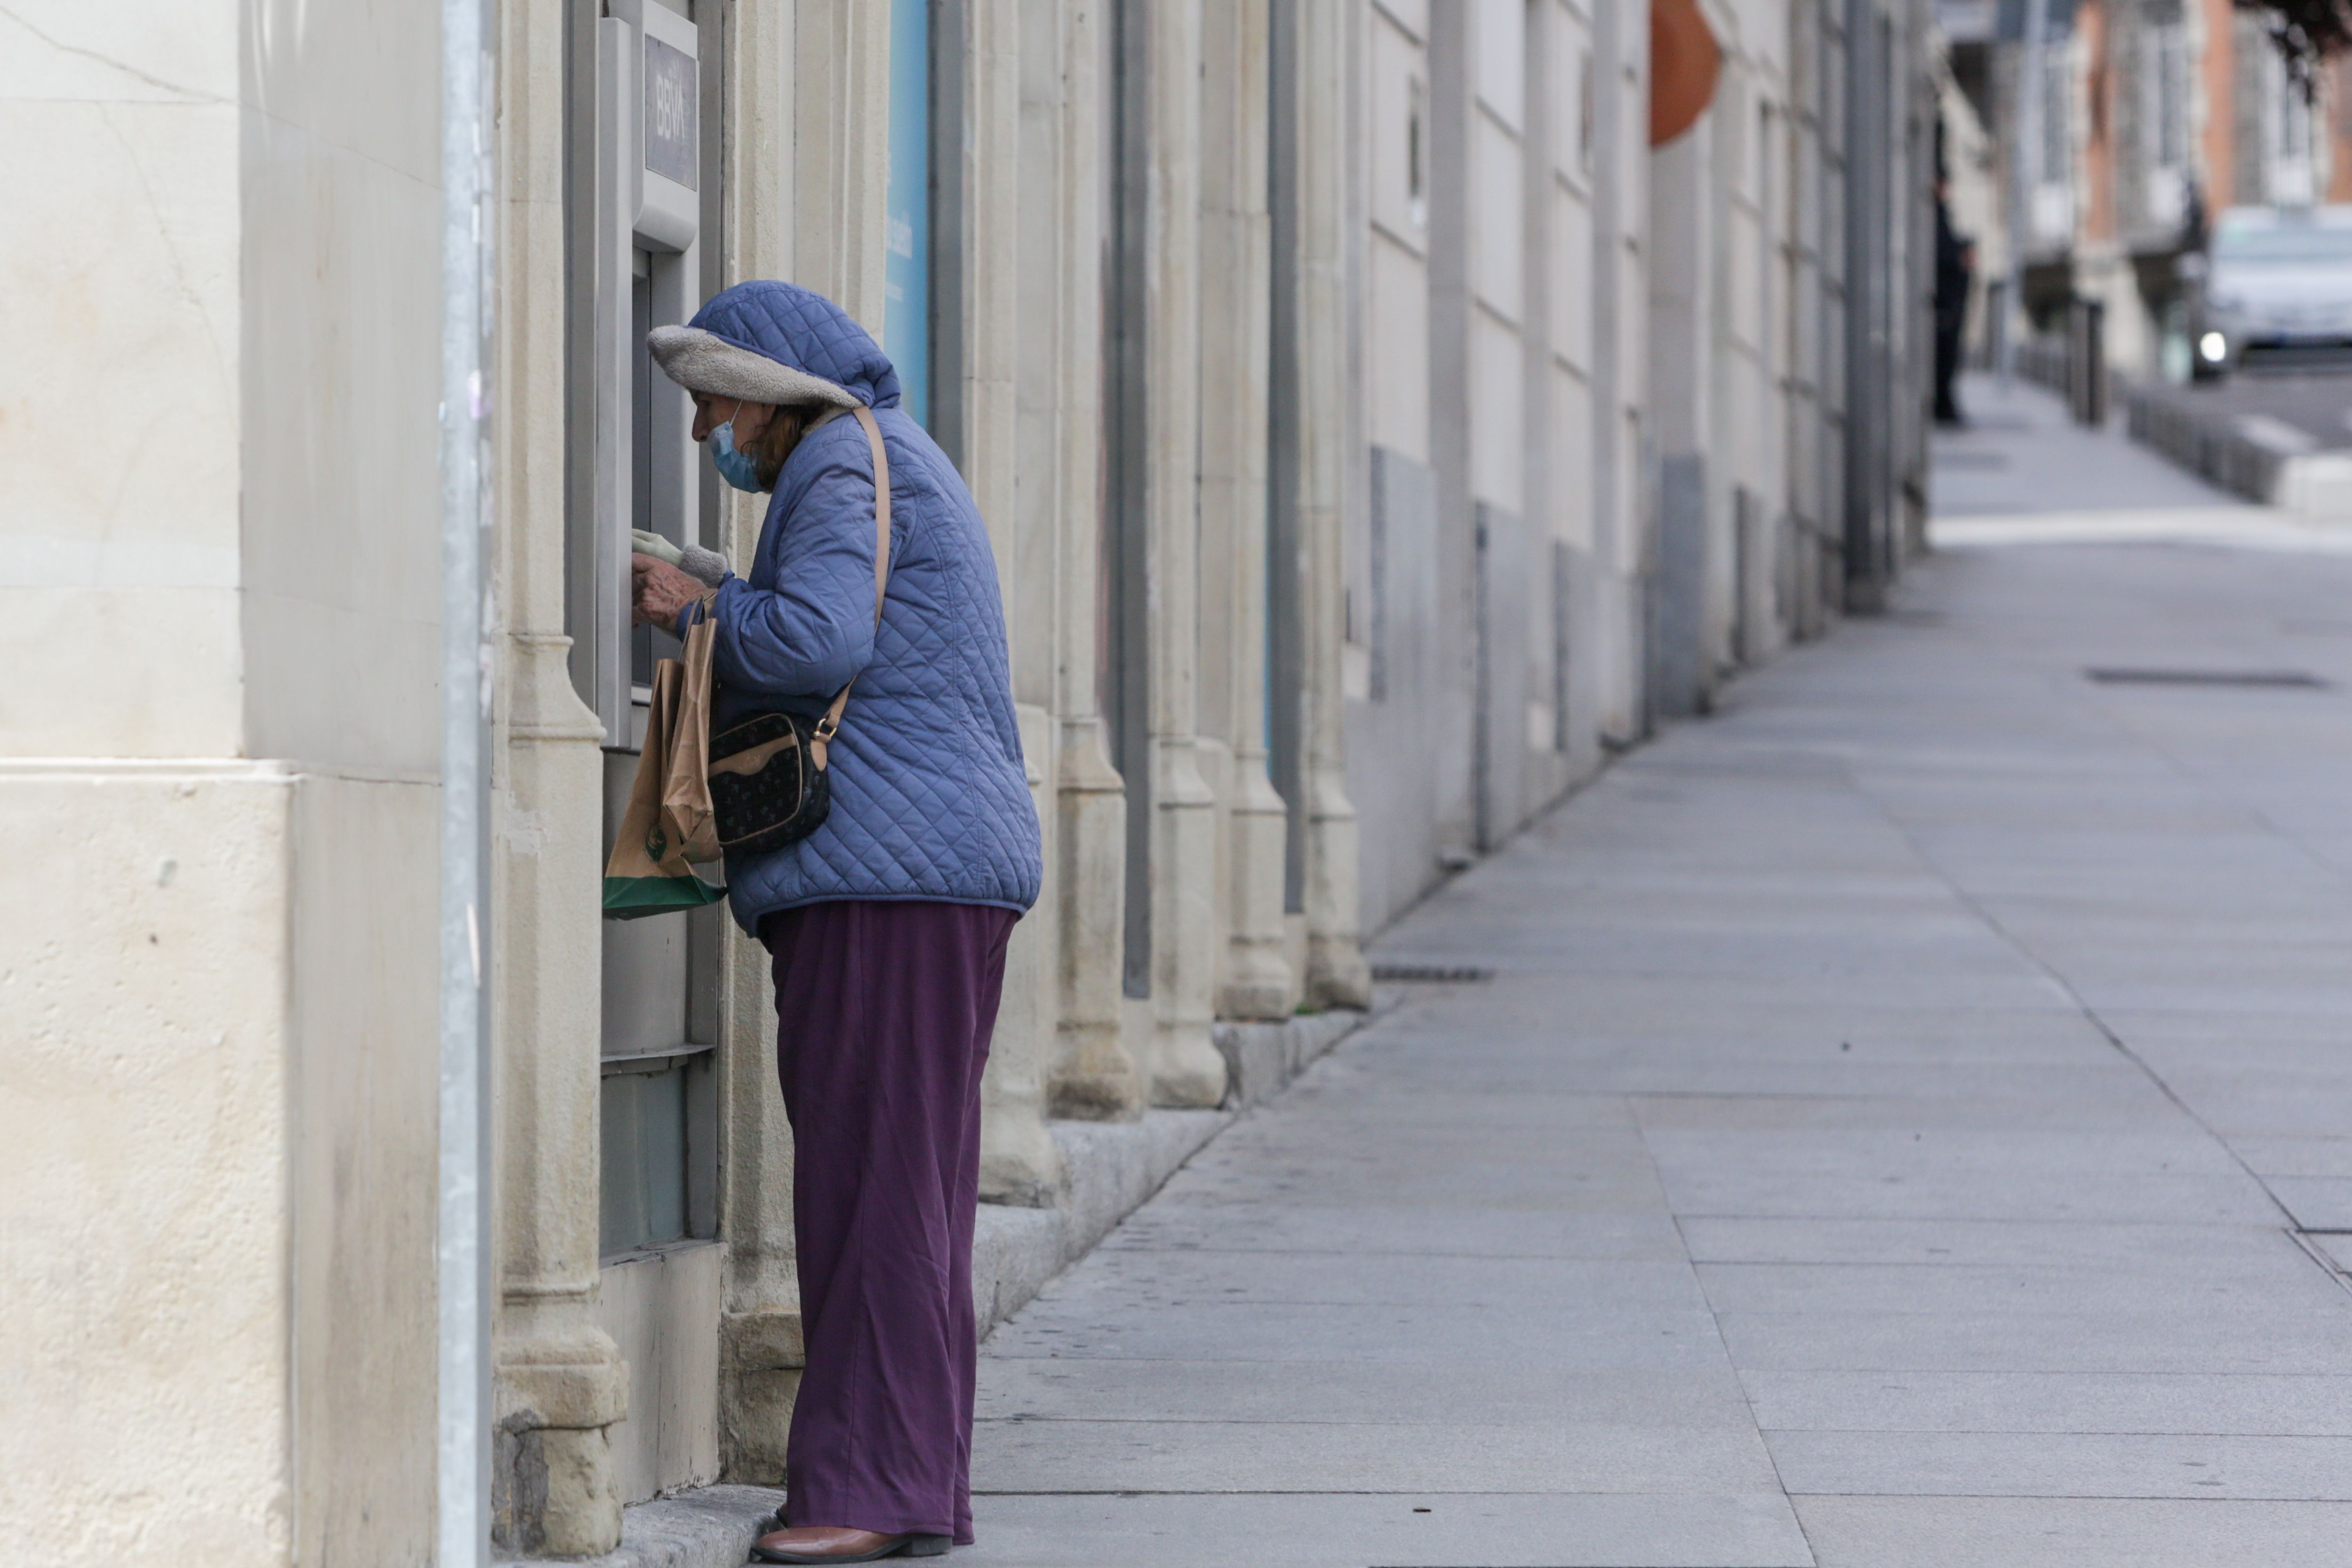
[
  {"x": 885, "y": 925},
  {"x": 1956, "y": 265}
]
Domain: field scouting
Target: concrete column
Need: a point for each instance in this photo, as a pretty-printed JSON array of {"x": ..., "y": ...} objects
[
  {"x": 1620, "y": 384},
  {"x": 1010, "y": 317},
  {"x": 1326, "y": 67},
  {"x": 1684, "y": 232},
  {"x": 1454, "y": 635},
  {"x": 1810, "y": 447},
  {"x": 1184, "y": 1067},
  {"x": 560, "y": 1380},
  {"x": 1093, "y": 1075},
  {"x": 216, "y": 1182},
  {"x": 1254, "y": 976},
  {"x": 759, "y": 1343}
]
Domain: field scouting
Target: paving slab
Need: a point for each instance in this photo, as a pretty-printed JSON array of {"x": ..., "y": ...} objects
[
  {"x": 2153, "y": 1244},
  {"x": 1546, "y": 1334},
  {"x": 1188, "y": 1223},
  {"x": 1908, "y": 1124},
  {"x": 1365, "y": 1392},
  {"x": 2016, "y": 1401},
  {"x": 2064, "y": 1464},
  {"x": 2095, "y": 1295},
  {"x": 2159, "y": 1339},
  {"x": 2072, "y": 1532},
  {"x": 1175, "y": 1282},
  {"x": 1393, "y": 1530},
  {"x": 1221, "y": 1456}
]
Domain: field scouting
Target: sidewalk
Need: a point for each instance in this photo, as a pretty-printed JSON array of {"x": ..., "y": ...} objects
[
  {"x": 1902, "y": 1130},
  {"x": 2022, "y": 452}
]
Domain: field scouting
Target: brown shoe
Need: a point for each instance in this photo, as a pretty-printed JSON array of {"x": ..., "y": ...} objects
[{"x": 837, "y": 1544}]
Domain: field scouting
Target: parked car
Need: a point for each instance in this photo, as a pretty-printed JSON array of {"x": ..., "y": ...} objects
[{"x": 2277, "y": 279}]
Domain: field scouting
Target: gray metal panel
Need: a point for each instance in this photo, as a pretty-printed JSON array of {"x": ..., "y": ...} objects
[
  {"x": 1503, "y": 581},
  {"x": 1677, "y": 652},
  {"x": 662, "y": 1308},
  {"x": 642, "y": 1187},
  {"x": 1571, "y": 601},
  {"x": 1408, "y": 746}
]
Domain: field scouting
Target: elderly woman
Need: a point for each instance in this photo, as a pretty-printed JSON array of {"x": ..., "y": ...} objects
[{"x": 886, "y": 924}]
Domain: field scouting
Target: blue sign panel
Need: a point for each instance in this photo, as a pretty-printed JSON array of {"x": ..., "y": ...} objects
[{"x": 907, "y": 208}]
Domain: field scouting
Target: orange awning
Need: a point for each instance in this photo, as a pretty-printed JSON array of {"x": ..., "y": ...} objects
[{"x": 1684, "y": 60}]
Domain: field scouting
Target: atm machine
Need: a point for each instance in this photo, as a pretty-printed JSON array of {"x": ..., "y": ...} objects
[{"x": 637, "y": 199}]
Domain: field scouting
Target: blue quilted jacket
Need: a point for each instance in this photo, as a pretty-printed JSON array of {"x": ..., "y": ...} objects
[{"x": 930, "y": 799}]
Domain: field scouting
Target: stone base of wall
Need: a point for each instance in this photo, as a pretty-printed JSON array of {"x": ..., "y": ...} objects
[
  {"x": 710, "y": 1527},
  {"x": 1109, "y": 1169}
]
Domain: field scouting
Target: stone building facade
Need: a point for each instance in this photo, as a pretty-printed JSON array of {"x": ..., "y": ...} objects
[
  {"x": 1375, "y": 431},
  {"x": 2157, "y": 115},
  {"x": 1606, "y": 452}
]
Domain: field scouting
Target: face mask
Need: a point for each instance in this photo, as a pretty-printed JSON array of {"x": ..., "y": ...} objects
[{"x": 735, "y": 467}]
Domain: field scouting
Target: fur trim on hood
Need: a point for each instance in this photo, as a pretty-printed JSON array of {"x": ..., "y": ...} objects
[{"x": 703, "y": 362}]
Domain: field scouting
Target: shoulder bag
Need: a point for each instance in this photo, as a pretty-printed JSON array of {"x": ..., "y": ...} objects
[{"x": 767, "y": 782}]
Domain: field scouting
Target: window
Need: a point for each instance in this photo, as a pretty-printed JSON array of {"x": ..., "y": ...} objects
[
  {"x": 1584, "y": 114},
  {"x": 2053, "y": 215},
  {"x": 2057, "y": 113},
  {"x": 2164, "y": 121},
  {"x": 1416, "y": 152},
  {"x": 2288, "y": 165}
]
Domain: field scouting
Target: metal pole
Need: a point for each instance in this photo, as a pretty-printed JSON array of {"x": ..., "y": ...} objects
[
  {"x": 462, "y": 1492},
  {"x": 2025, "y": 175}
]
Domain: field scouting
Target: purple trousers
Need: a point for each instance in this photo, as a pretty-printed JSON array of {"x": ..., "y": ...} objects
[{"x": 884, "y": 1012}]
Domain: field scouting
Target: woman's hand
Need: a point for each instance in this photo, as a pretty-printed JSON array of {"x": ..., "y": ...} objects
[{"x": 661, "y": 591}]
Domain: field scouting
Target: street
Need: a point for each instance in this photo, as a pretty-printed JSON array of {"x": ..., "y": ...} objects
[
  {"x": 1905, "y": 1123},
  {"x": 2312, "y": 408}
]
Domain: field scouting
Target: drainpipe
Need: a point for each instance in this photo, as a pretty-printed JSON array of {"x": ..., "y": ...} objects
[
  {"x": 462, "y": 1469},
  {"x": 2025, "y": 176}
]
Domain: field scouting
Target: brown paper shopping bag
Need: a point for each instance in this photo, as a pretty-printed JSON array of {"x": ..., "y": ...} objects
[{"x": 668, "y": 826}]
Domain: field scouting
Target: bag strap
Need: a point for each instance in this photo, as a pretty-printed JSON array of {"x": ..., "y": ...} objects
[{"x": 830, "y": 722}]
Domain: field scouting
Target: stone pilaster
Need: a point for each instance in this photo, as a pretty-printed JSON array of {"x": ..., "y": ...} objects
[
  {"x": 1329, "y": 433},
  {"x": 1184, "y": 1067},
  {"x": 1008, "y": 312},
  {"x": 1253, "y": 977},
  {"x": 1094, "y": 1076},
  {"x": 560, "y": 1381},
  {"x": 1019, "y": 1162},
  {"x": 759, "y": 1340}
]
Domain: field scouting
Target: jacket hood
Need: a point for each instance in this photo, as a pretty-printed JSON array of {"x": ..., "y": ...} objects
[{"x": 777, "y": 343}]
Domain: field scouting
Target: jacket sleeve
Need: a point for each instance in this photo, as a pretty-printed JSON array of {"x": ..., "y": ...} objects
[{"x": 814, "y": 629}]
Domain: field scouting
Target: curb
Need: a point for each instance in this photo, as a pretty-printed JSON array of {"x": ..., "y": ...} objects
[
  {"x": 1261, "y": 1058},
  {"x": 710, "y": 1527},
  {"x": 2253, "y": 455},
  {"x": 1111, "y": 1169}
]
